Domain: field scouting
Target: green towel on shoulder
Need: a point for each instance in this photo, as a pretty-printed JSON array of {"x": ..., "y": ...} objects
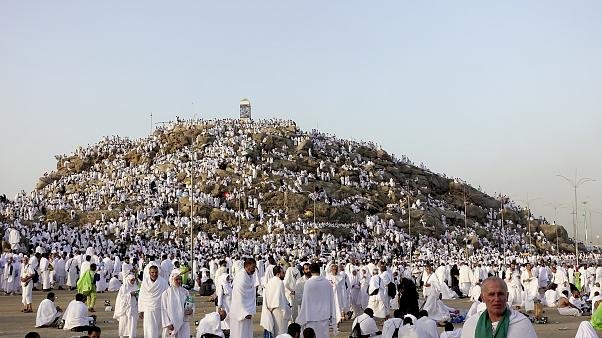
[
  {"x": 485, "y": 330},
  {"x": 597, "y": 318}
]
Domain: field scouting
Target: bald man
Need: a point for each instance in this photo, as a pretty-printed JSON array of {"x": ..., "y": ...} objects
[{"x": 497, "y": 321}]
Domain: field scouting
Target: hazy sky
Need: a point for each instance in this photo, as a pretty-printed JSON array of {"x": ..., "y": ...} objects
[{"x": 504, "y": 94}]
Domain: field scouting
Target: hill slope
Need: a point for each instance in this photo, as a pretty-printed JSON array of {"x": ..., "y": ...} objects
[{"x": 265, "y": 176}]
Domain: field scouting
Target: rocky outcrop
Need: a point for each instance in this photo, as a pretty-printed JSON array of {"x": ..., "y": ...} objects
[{"x": 434, "y": 198}]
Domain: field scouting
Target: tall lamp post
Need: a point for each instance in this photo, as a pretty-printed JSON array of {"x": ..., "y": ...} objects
[
  {"x": 503, "y": 201},
  {"x": 409, "y": 220},
  {"x": 529, "y": 218},
  {"x": 585, "y": 220},
  {"x": 556, "y": 206},
  {"x": 590, "y": 220},
  {"x": 314, "y": 197},
  {"x": 193, "y": 160},
  {"x": 575, "y": 183},
  {"x": 465, "y": 223},
  {"x": 466, "y": 197}
]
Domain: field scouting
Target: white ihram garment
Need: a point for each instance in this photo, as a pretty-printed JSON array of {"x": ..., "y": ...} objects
[
  {"x": 318, "y": 309},
  {"x": 243, "y": 304},
  {"x": 172, "y": 312},
  {"x": 149, "y": 302},
  {"x": 47, "y": 313},
  {"x": 275, "y": 311}
]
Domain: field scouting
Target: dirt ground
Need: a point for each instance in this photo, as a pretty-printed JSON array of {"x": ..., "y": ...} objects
[{"x": 16, "y": 324}]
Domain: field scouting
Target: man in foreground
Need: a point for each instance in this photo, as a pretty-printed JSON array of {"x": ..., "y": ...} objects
[
  {"x": 318, "y": 309},
  {"x": 497, "y": 321},
  {"x": 149, "y": 303},
  {"x": 275, "y": 310},
  {"x": 243, "y": 301}
]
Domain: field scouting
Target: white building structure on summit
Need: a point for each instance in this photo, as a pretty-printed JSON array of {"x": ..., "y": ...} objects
[{"x": 245, "y": 110}]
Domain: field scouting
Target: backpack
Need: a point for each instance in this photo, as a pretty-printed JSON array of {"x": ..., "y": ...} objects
[
  {"x": 375, "y": 292},
  {"x": 356, "y": 332},
  {"x": 36, "y": 277},
  {"x": 396, "y": 332},
  {"x": 391, "y": 289}
]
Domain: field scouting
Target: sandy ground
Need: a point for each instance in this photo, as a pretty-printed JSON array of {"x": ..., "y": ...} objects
[{"x": 16, "y": 324}]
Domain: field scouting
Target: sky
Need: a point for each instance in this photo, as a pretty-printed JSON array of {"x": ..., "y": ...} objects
[{"x": 503, "y": 94}]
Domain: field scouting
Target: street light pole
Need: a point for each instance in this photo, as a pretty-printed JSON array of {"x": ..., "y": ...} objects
[
  {"x": 556, "y": 206},
  {"x": 575, "y": 184},
  {"x": 314, "y": 211},
  {"x": 465, "y": 224},
  {"x": 409, "y": 220},
  {"x": 466, "y": 196},
  {"x": 528, "y": 203},
  {"x": 585, "y": 219},
  {"x": 192, "y": 210},
  {"x": 590, "y": 220},
  {"x": 502, "y": 200}
]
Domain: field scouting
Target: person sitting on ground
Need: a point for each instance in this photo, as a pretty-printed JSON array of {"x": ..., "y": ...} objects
[
  {"x": 450, "y": 332},
  {"x": 475, "y": 291},
  {"x": 93, "y": 332},
  {"x": 594, "y": 289},
  {"x": 114, "y": 284},
  {"x": 565, "y": 308},
  {"x": 309, "y": 332},
  {"x": 575, "y": 299},
  {"x": 408, "y": 329},
  {"x": 425, "y": 326},
  {"x": 550, "y": 297},
  {"x": 48, "y": 313},
  {"x": 497, "y": 320},
  {"x": 391, "y": 324},
  {"x": 76, "y": 315},
  {"x": 476, "y": 308},
  {"x": 293, "y": 331},
  {"x": 367, "y": 324},
  {"x": 210, "y": 326}
]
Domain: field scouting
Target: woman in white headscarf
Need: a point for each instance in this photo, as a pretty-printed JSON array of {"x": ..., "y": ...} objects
[
  {"x": 126, "y": 307},
  {"x": 117, "y": 267},
  {"x": 101, "y": 284},
  {"x": 176, "y": 311},
  {"x": 223, "y": 291}
]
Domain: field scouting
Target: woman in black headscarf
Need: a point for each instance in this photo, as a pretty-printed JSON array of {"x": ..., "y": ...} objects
[
  {"x": 455, "y": 285},
  {"x": 408, "y": 297}
]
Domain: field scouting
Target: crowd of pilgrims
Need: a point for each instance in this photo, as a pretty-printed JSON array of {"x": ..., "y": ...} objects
[
  {"x": 356, "y": 285},
  {"x": 146, "y": 232}
]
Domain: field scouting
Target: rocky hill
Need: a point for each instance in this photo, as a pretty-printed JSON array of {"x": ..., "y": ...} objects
[{"x": 272, "y": 176}]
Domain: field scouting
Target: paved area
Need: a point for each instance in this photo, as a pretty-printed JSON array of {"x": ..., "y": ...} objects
[{"x": 16, "y": 324}]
